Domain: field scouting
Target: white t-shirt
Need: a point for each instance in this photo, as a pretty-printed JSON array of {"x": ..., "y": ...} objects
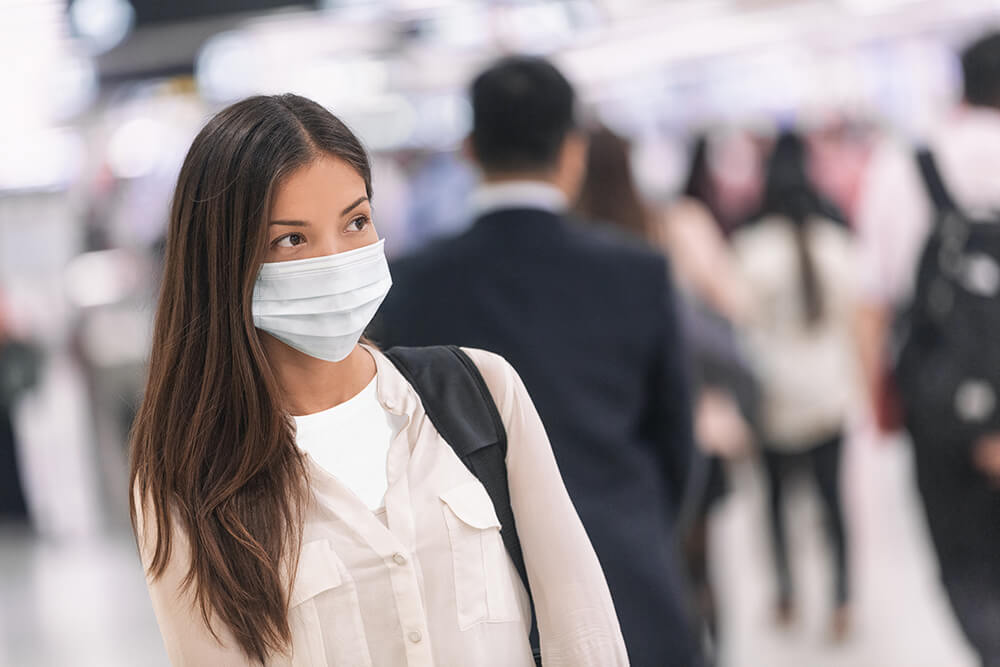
[{"x": 350, "y": 441}]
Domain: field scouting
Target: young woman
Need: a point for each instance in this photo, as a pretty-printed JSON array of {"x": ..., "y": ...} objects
[
  {"x": 724, "y": 389},
  {"x": 798, "y": 264},
  {"x": 292, "y": 501}
]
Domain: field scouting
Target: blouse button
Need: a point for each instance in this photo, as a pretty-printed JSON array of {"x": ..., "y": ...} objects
[
  {"x": 399, "y": 558},
  {"x": 415, "y": 637}
]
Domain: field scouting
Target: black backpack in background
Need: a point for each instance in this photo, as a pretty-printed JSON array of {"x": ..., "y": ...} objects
[
  {"x": 459, "y": 404},
  {"x": 948, "y": 338}
]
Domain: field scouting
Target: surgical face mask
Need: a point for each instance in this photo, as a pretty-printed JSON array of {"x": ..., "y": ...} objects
[{"x": 322, "y": 305}]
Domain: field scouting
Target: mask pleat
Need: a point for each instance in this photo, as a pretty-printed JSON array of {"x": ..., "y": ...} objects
[{"x": 321, "y": 306}]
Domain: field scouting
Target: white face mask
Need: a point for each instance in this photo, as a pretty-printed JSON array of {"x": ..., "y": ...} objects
[{"x": 322, "y": 305}]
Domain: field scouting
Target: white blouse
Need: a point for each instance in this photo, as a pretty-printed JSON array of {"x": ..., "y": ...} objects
[{"x": 429, "y": 582}]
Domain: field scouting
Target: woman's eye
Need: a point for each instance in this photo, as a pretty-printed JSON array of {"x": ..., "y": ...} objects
[
  {"x": 358, "y": 224},
  {"x": 290, "y": 240}
]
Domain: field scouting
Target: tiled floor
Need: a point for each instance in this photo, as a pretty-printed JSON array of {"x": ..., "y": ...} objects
[
  {"x": 83, "y": 604},
  {"x": 900, "y": 617}
]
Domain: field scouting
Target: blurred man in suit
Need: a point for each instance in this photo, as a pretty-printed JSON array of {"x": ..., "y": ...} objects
[{"x": 588, "y": 319}]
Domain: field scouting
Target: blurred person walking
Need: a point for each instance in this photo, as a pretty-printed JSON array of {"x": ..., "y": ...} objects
[
  {"x": 589, "y": 320},
  {"x": 797, "y": 260},
  {"x": 298, "y": 499},
  {"x": 691, "y": 234},
  {"x": 931, "y": 266},
  {"x": 724, "y": 388}
]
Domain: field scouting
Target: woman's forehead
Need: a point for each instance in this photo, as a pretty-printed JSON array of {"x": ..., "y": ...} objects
[{"x": 325, "y": 184}]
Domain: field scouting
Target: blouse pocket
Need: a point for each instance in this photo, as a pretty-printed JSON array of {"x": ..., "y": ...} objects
[
  {"x": 483, "y": 589},
  {"x": 324, "y": 612}
]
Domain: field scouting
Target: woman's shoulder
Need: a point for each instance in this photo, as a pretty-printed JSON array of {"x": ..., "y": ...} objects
[
  {"x": 155, "y": 524},
  {"x": 494, "y": 368},
  {"x": 500, "y": 377}
]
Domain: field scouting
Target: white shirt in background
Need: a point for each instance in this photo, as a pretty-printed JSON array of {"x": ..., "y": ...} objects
[
  {"x": 489, "y": 197},
  {"x": 808, "y": 373},
  {"x": 351, "y": 441},
  {"x": 896, "y": 213}
]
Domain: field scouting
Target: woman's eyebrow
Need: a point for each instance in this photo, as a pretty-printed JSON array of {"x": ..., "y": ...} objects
[
  {"x": 354, "y": 205},
  {"x": 300, "y": 223}
]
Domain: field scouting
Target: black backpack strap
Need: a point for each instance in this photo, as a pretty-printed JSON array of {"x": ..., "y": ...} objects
[
  {"x": 459, "y": 404},
  {"x": 936, "y": 188}
]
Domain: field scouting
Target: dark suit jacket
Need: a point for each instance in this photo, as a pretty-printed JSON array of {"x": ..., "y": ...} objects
[{"x": 588, "y": 320}]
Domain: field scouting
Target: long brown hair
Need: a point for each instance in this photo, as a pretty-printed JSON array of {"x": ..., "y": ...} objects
[
  {"x": 609, "y": 193},
  {"x": 213, "y": 447},
  {"x": 789, "y": 192}
]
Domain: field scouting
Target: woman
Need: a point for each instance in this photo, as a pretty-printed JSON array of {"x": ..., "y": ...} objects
[
  {"x": 701, "y": 263},
  {"x": 693, "y": 235},
  {"x": 351, "y": 534},
  {"x": 724, "y": 388},
  {"x": 796, "y": 260}
]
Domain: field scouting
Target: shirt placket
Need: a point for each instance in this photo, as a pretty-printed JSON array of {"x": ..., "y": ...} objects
[
  {"x": 402, "y": 566},
  {"x": 401, "y": 563}
]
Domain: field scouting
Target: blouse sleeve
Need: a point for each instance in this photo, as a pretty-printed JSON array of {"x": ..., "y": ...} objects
[
  {"x": 577, "y": 623},
  {"x": 186, "y": 637}
]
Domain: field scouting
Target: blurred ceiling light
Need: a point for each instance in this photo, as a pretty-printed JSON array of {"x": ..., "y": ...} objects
[
  {"x": 383, "y": 123},
  {"x": 643, "y": 48},
  {"x": 136, "y": 147},
  {"x": 71, "y": 86},
  {"x": 46, "y": 79},
  {"x": 226, "y": 68},
  {"x": 422, "y": 5},
  {"x": 538, "y": 27},
  {"x": 48, "y": 159},
  {"x": 335, "y": 5},
  {"x": 102, "y": 23},
  {"x": 336, "y": 83},
  {"x": 870, "y": 7},
  {"x": 464, "y": 27}
]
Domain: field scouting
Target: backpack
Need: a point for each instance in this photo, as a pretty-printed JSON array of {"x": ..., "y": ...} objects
[
  {"x": 458, "y": 403},
  {"x": 948, "y": 338}
]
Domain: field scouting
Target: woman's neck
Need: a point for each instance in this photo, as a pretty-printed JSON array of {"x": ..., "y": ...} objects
[{"x": 313, "y": 385}]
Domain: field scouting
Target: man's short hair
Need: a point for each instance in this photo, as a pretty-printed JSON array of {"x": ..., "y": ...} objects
[
  {"x": 981, "y": 71},
  {"x": 522, "y": 110}
]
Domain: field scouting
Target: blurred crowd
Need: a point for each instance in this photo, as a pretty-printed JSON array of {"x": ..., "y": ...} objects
[{"x": 831, "y": 279}]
